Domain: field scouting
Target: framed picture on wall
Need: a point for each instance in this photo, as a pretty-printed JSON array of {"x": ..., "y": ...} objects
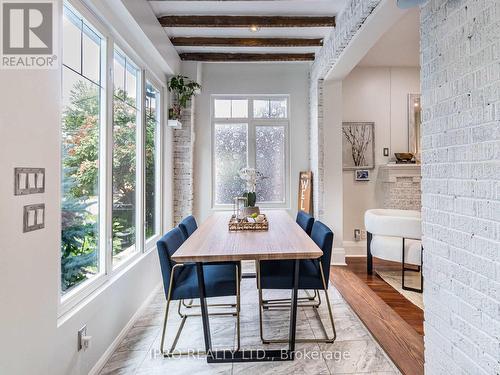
[
  {"x": 362, "y": 175},
  {"x": 358, "y": 145}
]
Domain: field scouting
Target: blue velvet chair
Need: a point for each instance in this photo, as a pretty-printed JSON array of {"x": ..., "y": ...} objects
[
  {"x": 313, "y": 274},
  {"x": 180, "y": 281},
  {"x": 305, "y": 221},
  {"x": 188, "y": 226}
]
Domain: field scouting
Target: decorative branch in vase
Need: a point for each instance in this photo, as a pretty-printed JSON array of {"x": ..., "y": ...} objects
[{"x": 183, "y": 90}]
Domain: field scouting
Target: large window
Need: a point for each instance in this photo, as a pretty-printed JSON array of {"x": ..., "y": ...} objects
[
  {"x": 126, "y": 115},
  {"x": 80, "y": 149},
  {"x": 250, "y": 131},
  {"x": 110, "y": 156},
  {"x": 151, "y": 201}
]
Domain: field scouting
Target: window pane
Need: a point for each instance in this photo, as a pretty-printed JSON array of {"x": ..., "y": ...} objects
[
  {"x": 119, "y": 75},
  {"x": 230, "y": 157},
  {"x": 72, "y": 40},
  {"x": 125, "y": 117},
  {"x": 270, "y": 161},
  {"x": 80, "y": 128},
  {"x": 261, "y": 108},
  {"x": 270, "y": 108},
  {"x": 222, "y": 108},
  {"x": 91, "y": 55},
  {"x": 79, "y": 180},
  {"x": 278, "y": 109},
  {"x": 152, "y": 125},
  {"x": 152, "y": 96},
  {"x": 239, "y": 108},
  {"x": 131, "y": 79}
]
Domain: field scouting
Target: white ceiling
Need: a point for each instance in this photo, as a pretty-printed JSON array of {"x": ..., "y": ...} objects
[
  {"x": 249, "y": 7},
  {"x": 400, "y": 46}
]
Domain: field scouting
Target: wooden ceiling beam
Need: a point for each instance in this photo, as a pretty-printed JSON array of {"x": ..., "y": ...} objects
[
  {"x": 246, "y": 42},
  {"x": 246, "y": 21},
  {"x": 232, "y": 57}
]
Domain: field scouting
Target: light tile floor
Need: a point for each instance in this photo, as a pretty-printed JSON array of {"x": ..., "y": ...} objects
[{"x": 354, "y": 351}]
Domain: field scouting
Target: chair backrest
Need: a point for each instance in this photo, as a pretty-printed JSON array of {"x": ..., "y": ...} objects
[
  {"x": 323, "y": 237},
  {"x": 188, "y": 226},
  {"x": 305, "y": 221},
  {"x": 167, "y": 246}
]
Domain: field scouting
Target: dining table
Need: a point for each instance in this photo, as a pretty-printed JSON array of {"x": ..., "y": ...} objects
[{"x": 214, "y": 242}]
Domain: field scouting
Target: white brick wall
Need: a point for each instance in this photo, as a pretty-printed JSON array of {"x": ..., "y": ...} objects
[
  {"x": 183, "y": 144},
  {"x": 403, "y": 194},
  {"x": 461, "y": 185},
  {"x": 348, "y": 23}
]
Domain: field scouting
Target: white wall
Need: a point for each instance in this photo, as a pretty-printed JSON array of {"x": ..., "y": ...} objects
[
  {"x": 250, "y": 79},
  {"x": 375, "y": 95},
  {"x": 34, "y": 341},
  {"x": 333, "y": 186}
]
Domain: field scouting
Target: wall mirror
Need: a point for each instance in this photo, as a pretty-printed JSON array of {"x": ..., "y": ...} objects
[{"x": 414, "y": 125}]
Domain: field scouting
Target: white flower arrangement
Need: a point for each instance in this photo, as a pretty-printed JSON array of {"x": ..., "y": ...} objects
[{"x": 250, "y": 176}]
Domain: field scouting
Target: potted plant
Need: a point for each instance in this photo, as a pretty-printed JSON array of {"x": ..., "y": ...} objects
[
  {"x": 250, "y": 176},
  {"x": 183, "y": 89}
]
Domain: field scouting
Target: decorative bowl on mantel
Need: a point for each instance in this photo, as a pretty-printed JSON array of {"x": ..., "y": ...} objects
[{"x": 404, "y": 157}]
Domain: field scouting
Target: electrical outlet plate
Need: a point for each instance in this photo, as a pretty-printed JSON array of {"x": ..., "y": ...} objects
[
  {"x": 81, "y": 332},
  {"x": 357, "y": 234}
]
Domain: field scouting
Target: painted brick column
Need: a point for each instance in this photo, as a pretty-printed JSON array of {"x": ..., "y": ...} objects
[
  {"x": 460, "y": 56},
  {"x": 183, "y": 179}
]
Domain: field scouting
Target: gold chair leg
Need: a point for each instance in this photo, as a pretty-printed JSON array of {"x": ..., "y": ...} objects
[
  {"x": 164, "y": 326},
  {"x": 328, "y": 303},
  {"x": 284, "y": 300},
  {"x": 184, "y": 317},
  {"x": 326, "y": 339},
  {"x": 284, "y": 303},
  {"x": 191, "y": 305}
]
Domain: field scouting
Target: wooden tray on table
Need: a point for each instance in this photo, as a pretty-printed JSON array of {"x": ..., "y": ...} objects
[{"x": 236, "y": 225}]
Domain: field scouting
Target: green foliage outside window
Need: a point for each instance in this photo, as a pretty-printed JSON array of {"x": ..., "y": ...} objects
[{"x": 80, "y": 178}]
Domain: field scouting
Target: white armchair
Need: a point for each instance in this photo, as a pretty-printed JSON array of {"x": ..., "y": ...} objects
[{"x": 394, "y": 235}]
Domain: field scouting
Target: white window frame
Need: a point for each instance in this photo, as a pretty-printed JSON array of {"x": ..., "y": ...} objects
[
  {"x": 252, "y": 123},
  {"x": 150, "y": 243},
  {"x": 139, "y": 168},
  {"x": 78, "y": 294}
]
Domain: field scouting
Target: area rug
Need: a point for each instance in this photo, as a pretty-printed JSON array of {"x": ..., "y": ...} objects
[{"x": 412, "y": 279}]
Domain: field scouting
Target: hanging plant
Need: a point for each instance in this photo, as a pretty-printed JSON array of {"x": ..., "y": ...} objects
[{"x": 183, "y": 90}]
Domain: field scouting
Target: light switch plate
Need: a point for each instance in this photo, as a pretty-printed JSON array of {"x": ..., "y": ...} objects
[
  {"x": 33, "y": 217},
  {"x": 386, "y": 151},
  {"x": 29, "y": 181}
]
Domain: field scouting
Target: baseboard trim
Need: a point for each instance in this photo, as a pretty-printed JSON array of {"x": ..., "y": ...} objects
[
  {"x": 338, "y": 257},
  {"x": 355, "y": 248},
  {"x": 110, "y": 350}
]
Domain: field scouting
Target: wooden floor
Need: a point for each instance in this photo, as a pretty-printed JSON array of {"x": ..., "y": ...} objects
[{"x": 394, "y": 321}]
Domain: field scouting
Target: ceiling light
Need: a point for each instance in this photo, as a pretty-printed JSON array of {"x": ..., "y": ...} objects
[{"x": 254, "y": 28}]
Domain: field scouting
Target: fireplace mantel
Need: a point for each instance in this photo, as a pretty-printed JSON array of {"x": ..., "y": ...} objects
[{"x": 390, "y": 172}]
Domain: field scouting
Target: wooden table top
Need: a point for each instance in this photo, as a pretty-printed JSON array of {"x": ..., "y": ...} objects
[{"x": 213, "y": 242}]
